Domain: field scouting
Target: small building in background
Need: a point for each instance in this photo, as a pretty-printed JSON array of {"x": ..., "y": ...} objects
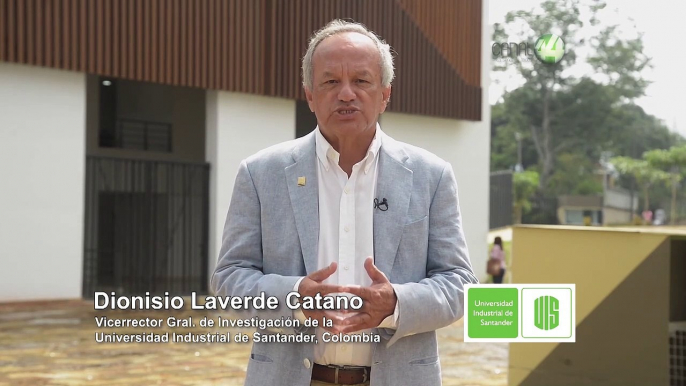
[{"x": 615, "y": 206}]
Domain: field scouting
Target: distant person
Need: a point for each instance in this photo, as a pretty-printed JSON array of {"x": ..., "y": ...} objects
[
  {"x": 660, "y": 217},
  {"x": 647, "y": 217},
  {"x": 496, "y": 262}
]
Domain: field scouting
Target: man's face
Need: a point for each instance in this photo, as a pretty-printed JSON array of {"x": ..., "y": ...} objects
[{"x": 347, "y": 96}]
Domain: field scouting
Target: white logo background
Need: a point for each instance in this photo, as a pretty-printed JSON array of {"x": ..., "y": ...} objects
[{"x": 529, "y": 329}]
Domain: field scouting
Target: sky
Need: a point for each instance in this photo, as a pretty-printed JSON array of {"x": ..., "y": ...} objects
[{"x": 663, "y": 26}]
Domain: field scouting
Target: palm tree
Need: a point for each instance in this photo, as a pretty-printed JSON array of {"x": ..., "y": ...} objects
[
  {"x": 673, "y": 161},
  {"x": 645, "y": 175}
]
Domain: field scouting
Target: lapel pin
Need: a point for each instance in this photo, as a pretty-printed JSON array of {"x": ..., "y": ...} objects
[{"x": 301, "y": 181}]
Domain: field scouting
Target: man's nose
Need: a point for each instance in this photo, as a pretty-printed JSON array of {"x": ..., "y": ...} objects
[{"x": 346, "y": 93}]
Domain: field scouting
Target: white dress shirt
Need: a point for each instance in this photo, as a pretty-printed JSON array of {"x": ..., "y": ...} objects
[{"x": 346, "y": 236}]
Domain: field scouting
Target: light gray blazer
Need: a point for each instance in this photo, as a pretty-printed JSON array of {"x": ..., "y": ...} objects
[{"x": 270, "y": 241}]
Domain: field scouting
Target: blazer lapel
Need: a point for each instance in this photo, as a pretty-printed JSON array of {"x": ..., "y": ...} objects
[
  {"x": 394, "y": 182},
  {"x": 301, "y": 178}
]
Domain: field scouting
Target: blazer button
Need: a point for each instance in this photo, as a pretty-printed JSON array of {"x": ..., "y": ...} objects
[{"x": 306, "y": 362}]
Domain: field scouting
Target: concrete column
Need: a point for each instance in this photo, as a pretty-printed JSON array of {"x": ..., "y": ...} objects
[
  {"x": 238, "y": 125},
  {"x": 42, "y": 172}
]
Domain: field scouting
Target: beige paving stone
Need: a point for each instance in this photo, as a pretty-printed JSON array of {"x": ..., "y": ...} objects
[{"x": 53, "y": 343}]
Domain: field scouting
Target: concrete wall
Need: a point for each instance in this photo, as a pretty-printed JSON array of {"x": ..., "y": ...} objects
[
  {"x": 616, "y": 216},
  {"x": 620, "y": 199},
  {"x": 42, "y": 161},
  {"x": 183, "y": 107},
  {"x": 466, "y": 146},
  {"x": 579, "y": 201},
  {"x": 239, "y": 125},
  {"x": 622, "y": 305}
]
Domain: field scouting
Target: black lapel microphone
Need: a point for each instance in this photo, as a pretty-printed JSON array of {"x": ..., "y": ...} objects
[{"x": 382, "y": 206}]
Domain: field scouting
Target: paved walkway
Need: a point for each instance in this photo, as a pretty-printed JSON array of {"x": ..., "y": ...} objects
[{"x": 53, "y": 343}]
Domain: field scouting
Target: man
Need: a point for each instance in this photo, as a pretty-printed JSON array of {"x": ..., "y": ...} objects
[{"x": 348, "y": 209}]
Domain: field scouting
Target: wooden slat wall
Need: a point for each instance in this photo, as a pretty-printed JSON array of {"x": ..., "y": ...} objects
[
  {"x": 252, "y": 46},
  {"x": 446, "y": 29}
]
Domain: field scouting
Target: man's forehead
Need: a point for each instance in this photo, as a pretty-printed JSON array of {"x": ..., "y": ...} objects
[
  {"x": 354, "y": 51},
  {"x": 346, "y": 43}
]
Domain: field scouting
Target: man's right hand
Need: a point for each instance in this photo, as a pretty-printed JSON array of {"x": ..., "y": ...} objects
[{"x": 311, "y": 285}]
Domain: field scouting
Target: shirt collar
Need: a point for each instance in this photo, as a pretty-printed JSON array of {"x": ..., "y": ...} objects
[{"x": 328, "y": 156}]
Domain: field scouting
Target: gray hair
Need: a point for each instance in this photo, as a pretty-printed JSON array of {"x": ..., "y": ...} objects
[{"x": 340, "y": 26}]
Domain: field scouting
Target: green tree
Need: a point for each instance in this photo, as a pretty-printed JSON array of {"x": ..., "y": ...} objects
[
  {"x": 638, "y": 132},
  {"x": 506, "y": 122},
  {"x": 645, "y": 175},
  {"x": 575, "y": 174},
  {"x": 561, "y": 112},
  {"x": 674, "y": 162},
  {"x": 525, "y": 185}
]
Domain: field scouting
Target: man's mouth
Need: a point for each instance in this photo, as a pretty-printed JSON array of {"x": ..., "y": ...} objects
[{"x": 346, "y": 112}]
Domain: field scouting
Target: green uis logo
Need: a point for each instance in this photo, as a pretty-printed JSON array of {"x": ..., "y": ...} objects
[
  {"x": 549, "y": 48},
  {"x": 546, "y": 312}
]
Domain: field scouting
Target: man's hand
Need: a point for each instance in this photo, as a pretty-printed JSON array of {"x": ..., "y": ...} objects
[
  {"x": 312, "y": 285},
  {"x": 379, "y": 301}
]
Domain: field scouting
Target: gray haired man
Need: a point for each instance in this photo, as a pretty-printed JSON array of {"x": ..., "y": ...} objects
[{"x": 347, "y": 209}]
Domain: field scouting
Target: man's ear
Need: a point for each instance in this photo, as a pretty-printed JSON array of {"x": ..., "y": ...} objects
[
  {"x": 386, "y": 97},
  {"x": 308, "y": 96}
]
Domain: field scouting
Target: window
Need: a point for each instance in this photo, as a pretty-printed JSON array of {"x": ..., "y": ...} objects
[{"x": 120, "y": 102}]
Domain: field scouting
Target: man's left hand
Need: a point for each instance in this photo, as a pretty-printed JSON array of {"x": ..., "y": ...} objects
[{"x": 379, "y": 301}]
